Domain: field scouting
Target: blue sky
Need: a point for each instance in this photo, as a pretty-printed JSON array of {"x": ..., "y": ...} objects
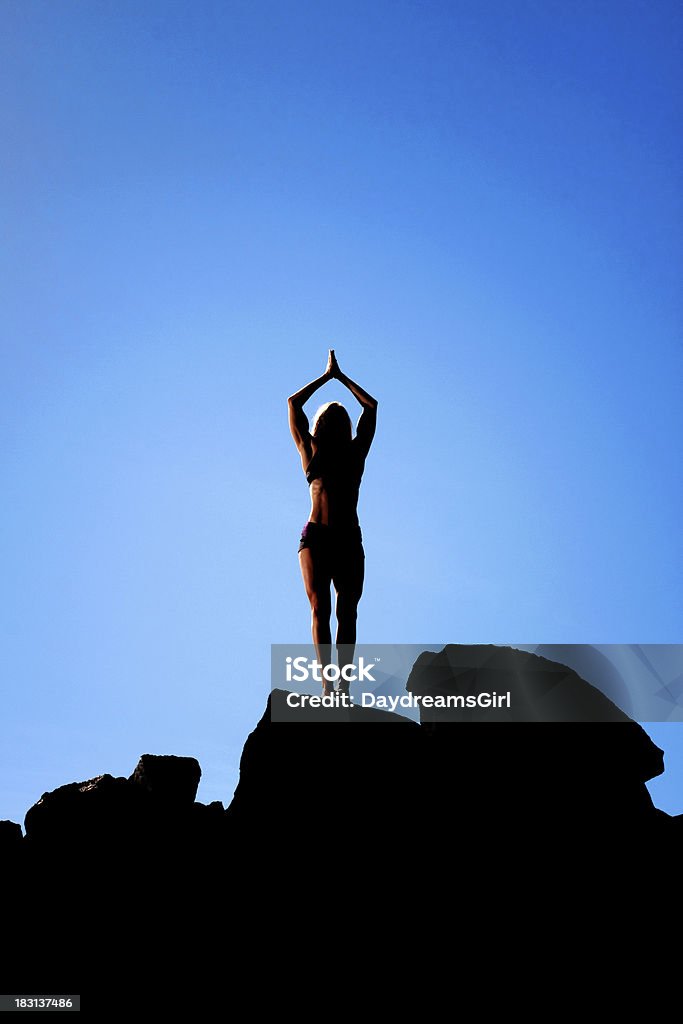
[{"x": 477, "y": 204}]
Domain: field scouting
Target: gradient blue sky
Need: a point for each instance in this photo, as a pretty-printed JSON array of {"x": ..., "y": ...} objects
[{"x": 478, "y": 204}]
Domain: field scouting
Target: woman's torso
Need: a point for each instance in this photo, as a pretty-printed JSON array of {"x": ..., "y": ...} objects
[{"x": 334, "y": 482}]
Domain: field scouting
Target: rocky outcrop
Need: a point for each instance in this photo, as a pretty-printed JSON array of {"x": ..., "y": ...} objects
[
  {"x": 155, "y": 806},
  {"x": 174, "y": 780},
  {"x": 541, "y": 691},
  {"x": 561, "y": 756},
  {"x": 355, "y": 819},
  {"x": 562, "y": 760},
  {"x": 104, "y": 808},
  {"x": 10, "y": 835}
]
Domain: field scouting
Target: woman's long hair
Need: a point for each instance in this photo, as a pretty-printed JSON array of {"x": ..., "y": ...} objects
[{"x": 332, "y": 427}]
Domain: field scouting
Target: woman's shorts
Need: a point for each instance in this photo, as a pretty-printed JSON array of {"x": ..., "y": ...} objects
[{"x": 337, "y": 552}]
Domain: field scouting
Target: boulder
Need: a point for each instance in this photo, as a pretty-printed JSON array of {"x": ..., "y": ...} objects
[
  {"x": 169, "y": 778},
  {"x": 98, "y": 811},
  {"x": 10, "y": 834}
]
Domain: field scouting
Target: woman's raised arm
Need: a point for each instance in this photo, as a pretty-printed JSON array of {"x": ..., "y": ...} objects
[
  {"x": 365, "y": 430},
  {"x": 298, "y": 421}
]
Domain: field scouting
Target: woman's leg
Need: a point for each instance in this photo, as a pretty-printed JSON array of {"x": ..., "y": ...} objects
[
  {"x": 317, "y": 583},
  {"x": 348, "y": 584}
]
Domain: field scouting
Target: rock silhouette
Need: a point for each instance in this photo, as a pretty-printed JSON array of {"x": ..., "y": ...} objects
[
  {"x": 541, "y": 690},
  {"x": 557, "y": 804},
  {"x": 173, "y": 779},
  {"x": 10, "y": 834}
]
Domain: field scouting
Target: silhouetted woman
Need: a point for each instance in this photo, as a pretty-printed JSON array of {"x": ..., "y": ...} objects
[{"x": 331, "y": 543}]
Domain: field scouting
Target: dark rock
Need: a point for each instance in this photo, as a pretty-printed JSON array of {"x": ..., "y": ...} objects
[
  {"x": 563, "y": 760},
  {"x": 151, "y": 814},
  {"x": 320, "y": 790},
  {"x": 564, "y": 764},
  {"x": 208, "y": 824},
  {"x": 10, "y": 834},
  {"x": 540, "y": 690},
  {"x": 565, "y": 768},
  {"x": 169, "y": 778},
  {"x": 558, "y": 719},
  {"x": 456, "y": 826},
  {"x": 100, "y": 810}
]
